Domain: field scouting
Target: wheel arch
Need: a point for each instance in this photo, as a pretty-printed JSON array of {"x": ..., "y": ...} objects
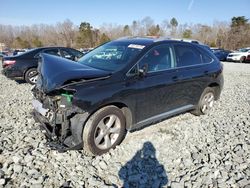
[
  {"x": 78, "y": 121},
  {"x": 216, "y": 88},
  {"x": 123, "y": 107},
  {"x": 28, "y": 68}
]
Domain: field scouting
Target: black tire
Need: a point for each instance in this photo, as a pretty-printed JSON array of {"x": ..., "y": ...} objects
[
  {"x": 242, "y": 59},
  {"x": 30, "y": 76},
  {"x": 199, "y": 109},
  {"x": 92, "y": 130}
]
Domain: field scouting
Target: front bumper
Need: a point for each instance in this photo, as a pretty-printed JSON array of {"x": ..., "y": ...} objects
[
  {"x": 236, "y": 58},
  {"x": 62, "y": 129}
]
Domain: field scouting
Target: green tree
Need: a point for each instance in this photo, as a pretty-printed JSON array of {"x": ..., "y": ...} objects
[
  {"x": 154, "y": 30},
  {"x": 187, "y": 34},
  {"x": 238, "y": 36},
  {"x": 238, "y": 21},
  {"x": 36, "y": 42},
  {"x": 20, "y": 43},
  {"x": 134, "y": 28},
  {"x": 212, "y": 44},
  {"x": 103, "y": 39},
  {"x": 174, "y": 24},
  {"x": 126, "y": 30},
  {"x": 85, "y": 37}
]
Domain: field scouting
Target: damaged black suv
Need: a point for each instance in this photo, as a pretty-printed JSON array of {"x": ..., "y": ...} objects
[{"x": 121, "y": 86}]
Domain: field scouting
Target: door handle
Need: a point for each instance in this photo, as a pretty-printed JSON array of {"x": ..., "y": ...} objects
[{"x": 175, "y": 78}]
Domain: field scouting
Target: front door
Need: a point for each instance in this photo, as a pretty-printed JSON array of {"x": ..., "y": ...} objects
[{"x": 155, "y": 92}]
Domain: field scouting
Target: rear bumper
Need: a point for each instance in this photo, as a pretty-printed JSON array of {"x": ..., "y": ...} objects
[{"x": 12, "y": 73}]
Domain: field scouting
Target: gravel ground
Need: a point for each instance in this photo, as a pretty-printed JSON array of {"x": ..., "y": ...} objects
[{"x": 206, "y": 151}]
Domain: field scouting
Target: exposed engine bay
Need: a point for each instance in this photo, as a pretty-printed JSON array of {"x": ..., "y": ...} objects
[{"x": 61, "y": 121}]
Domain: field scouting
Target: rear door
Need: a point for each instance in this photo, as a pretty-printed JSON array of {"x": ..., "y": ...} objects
[{"x": 194, "y": 72}]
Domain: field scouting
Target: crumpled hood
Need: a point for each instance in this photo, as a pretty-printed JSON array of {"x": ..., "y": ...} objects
[{"x": 54, "y": 72}]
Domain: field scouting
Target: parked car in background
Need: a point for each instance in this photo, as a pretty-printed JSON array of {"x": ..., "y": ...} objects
[
  {"x": 248, "y": 58},
  {"x": 239, "y": 56},
  {"x": 221, "y": 54},
  {"x": 93, "y": 103},
  {"x": 1, "y": 56},
  {"x": 24, "y": 66},
  {"x": 20, "y": 51},
  {"x": 214, "y": 49},
  {"x": 86, "y": 50}
]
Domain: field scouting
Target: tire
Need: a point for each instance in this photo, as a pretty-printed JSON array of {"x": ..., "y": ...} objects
[
  {"x": 206, "y": 102},
  {"x": 242, "y": 59},
  {"x": 97, "y": 135},
  {"x": 31, "y": 76}
]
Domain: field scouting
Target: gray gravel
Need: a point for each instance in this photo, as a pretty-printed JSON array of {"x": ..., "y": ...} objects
[{"x": 206, "y": 151}]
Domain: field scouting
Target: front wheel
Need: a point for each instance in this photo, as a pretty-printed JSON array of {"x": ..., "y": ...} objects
[
  {"x": 206, "y": 102},
  {"x": 104, "y": 130},
  {"x": 31, "y": 76}
]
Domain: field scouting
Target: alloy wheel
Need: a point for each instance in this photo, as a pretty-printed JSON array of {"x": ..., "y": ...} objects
[
  {"x": 207, "y": 102},
  {"x": 107, "y": 132},
  {"x": 33, "y": 75}
]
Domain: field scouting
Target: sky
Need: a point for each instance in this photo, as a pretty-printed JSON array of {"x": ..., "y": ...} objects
[{"x": 98, "y": 12}]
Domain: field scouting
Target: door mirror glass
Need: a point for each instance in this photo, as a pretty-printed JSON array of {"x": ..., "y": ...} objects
[{"x": 142, "y": 72}]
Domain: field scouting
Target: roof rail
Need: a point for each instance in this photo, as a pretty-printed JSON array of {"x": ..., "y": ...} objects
[
  {"x": 162, "y": 38},
  {"x": 180, "y": 39}
]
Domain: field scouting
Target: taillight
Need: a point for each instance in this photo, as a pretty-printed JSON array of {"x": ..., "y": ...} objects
[{"x": 8, "y": 62}]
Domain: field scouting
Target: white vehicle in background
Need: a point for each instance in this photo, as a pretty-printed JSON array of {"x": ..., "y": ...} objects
[{"x": 239, "y": 56}]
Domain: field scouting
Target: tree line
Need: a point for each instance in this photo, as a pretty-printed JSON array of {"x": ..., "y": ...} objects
[{"x": 228, "y": 35}]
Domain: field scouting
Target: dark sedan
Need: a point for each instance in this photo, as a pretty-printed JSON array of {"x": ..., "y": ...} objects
[{"x": 24, "y": 66}]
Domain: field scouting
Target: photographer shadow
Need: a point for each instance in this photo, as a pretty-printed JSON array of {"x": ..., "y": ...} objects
[{"x": 144, "y": 170}]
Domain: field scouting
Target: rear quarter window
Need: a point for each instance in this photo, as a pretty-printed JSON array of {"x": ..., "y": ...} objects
[
  {"x": 187, "y": 55},
  {"x": 205, "y": 56}
]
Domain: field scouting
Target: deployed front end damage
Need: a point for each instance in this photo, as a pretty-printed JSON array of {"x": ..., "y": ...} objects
[
  {"x": 61, "y": 121},
  {"x": 54, "y": 105}
]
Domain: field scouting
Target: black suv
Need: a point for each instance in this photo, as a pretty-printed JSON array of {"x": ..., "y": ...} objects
[
  {"x": 24, "y": 66},
  {"x": 121, "y": 86}
]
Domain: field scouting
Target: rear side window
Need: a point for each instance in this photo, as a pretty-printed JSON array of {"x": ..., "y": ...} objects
[
  {"x": 157, "y": 59},
  {"x": 66, "y": 54},
  {"x": 52, "y": 52},
  {"x": 187, "y": 55},
  {"x": 75, "y": 53},
  {"x": 207, "y": 59}
]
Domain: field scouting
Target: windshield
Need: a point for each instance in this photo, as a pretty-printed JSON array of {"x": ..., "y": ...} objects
[
  {"x": 244, "y": 50},
  {"x": 111, "y": 56}
]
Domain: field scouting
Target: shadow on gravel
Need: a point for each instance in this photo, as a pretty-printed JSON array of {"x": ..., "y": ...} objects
[
  {"x": 20, "y": 81},
  {"x": 143, "y": 170}
]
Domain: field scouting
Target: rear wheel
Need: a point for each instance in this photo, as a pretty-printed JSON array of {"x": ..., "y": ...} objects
[
  {"x": 104, "y": 130},
  {"x": 31, "y": 76},
  {"x": 206, "y": 102}
]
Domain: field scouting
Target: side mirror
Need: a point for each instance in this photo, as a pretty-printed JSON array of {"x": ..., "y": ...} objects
[{"x": 143, "y": 71}]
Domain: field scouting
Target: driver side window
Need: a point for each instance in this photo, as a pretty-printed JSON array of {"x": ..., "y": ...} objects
[{"x": 157, "y": 59}]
